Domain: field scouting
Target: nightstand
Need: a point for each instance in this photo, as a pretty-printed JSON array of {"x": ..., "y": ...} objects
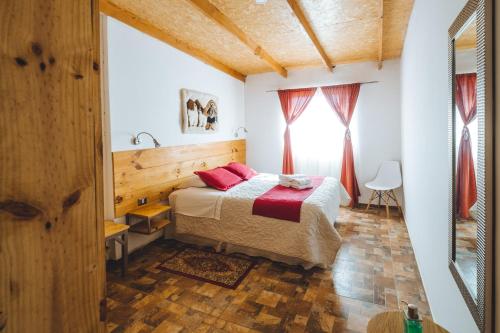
[
  {"x": 147, "y": 220},
  {"x": 119, "y": 233}
]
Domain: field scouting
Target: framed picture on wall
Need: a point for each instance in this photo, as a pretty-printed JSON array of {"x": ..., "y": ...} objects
[{"x": 200, "y": 112}]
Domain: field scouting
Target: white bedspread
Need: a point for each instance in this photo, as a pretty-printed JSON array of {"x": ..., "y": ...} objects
[
  {"x": 227, "y": 217},
  {"x": 197, "y": 202}
]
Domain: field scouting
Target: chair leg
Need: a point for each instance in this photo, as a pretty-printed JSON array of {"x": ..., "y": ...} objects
[
  {"x": 400, "y": 210},
  {"x": 386, "y": 199},
  {"x": 371, "y": 199},
  {"x": 384, "y": 196}
]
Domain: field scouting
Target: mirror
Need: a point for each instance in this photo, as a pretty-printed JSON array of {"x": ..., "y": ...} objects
[
  {"x": 470, "y": 137},
  {"x": 466, "y": 154}
]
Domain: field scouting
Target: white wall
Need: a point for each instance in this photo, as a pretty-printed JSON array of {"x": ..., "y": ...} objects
[
  {"x": 378, "y": 111},
  {"x": 145, "y": 79},
  {"x": 424, "y": 89},
  {"x": 465, "y": 61}
]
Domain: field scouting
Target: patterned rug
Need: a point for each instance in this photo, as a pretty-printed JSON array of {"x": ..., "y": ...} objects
[{"x": 219, "y": 269}]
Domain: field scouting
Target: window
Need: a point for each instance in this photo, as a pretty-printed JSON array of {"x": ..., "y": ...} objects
[{"x": 318, "y": 139}]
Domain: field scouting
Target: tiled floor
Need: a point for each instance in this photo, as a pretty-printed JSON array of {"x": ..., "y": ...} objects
[{"x": 375, "y": 270}]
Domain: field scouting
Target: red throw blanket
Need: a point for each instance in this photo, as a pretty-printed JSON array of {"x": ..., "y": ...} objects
[{"x": 283, "y": 202}]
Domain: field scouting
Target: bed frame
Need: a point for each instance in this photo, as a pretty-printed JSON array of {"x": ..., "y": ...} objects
[{"x": 154, "y": 173}]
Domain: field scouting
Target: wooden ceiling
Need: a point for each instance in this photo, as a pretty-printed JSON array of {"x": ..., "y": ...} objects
[
  {"x": 468, "y": 38},
  {"x": 241, "y": 37}
]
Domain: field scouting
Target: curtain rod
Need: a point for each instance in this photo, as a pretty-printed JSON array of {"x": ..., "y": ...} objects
[{"x": 367, "y": 82}]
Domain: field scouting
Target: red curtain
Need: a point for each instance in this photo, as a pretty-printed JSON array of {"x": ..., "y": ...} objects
[
  {"x": 342, "y": 100},
  {"x": 293, "y": 103},
  {"x": 466, "y": 175}
]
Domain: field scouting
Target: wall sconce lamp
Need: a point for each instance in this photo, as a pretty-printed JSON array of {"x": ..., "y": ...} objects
[
  {"x": 136, "y": 140},
  {"x": 236, "y": 133}
]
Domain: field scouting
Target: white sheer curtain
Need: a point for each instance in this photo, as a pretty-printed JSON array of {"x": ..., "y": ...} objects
[{"x": 318, "y": 139}]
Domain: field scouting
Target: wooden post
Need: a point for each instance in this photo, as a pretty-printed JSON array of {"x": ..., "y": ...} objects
[
  {"x": 301, "y": 16},
  {"x": 225, "y": 22},
  {"x": 51, "y": 223}
]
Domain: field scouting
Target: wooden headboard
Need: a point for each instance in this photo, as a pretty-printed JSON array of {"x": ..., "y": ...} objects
[{"x": 153, "y": 173}]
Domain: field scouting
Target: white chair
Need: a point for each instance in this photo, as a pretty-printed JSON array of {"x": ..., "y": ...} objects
[{"x": 387, "y": 180}]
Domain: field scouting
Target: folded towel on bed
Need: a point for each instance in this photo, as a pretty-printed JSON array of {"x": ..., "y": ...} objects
[
  {"x": 299, "y": 182},
  {"x": 298, "y": 187},
  {"x": 293, "y": 177}
]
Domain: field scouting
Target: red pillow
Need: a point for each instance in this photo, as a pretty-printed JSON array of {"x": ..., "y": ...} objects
[
  {"x": 241, "y": 170},
  {"x": 219, "y": 178}
]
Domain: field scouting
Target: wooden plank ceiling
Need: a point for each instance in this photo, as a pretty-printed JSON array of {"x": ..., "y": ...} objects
[
  {"x": 242, "y": 37},
  {"x": 468, "y": 38}
]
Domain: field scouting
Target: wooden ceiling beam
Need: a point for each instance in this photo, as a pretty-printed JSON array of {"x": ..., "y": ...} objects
[
  {"x": 216, "y": 15},
  {"x": 381, "y": 35},
  {"x": 310, "y": 32},
  {"x": 140, "y": 24}
]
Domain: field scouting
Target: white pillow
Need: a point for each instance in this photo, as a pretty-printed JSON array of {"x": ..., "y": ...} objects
[{"x": 194, "y": 181}]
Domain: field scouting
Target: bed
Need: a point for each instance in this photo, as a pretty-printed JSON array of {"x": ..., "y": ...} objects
[{"x": 224, "y": 219}]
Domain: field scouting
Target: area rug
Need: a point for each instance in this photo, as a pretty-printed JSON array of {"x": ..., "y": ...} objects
[{"x": 219, "y": 269}]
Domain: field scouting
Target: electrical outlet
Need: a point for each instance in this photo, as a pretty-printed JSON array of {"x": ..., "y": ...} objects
[{"x": 142, "y": 201}]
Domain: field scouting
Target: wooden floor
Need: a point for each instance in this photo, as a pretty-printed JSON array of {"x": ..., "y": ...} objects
[
  {"x": 375, "y": 270},
  {"x": 466, "y": 252}
]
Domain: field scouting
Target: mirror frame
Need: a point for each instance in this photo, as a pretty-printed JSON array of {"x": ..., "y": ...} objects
[{"x": 481, "y": 307}]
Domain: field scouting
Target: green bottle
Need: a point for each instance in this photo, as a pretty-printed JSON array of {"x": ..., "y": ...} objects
[{"x": 412, "y": 321}]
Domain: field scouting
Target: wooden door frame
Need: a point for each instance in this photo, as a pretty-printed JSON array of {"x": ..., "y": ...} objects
[{"x": 51, "y": 189}]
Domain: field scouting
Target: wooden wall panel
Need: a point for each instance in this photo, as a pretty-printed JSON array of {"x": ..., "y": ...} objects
[
  {"x": 51, "y": 232},
  {"x": 153, "y": 173}
]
